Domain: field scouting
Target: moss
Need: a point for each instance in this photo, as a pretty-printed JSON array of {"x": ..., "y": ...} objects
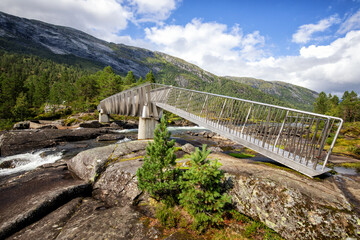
[
  {"x": 241, "y": 155},
  {"x": 355, "y": 165},
  {"x": 129, "y": 159}
]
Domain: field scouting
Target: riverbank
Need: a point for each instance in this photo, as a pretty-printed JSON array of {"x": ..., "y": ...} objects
[{"x": 275, "y": 195}]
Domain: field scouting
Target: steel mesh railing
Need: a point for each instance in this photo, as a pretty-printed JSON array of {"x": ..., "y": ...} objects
[{"x": 296, "y": 138}]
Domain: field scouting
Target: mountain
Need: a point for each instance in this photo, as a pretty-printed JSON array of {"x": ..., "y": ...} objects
[
  {"x": 70, "y": 46},
  {"x": 286, "y": 92}
]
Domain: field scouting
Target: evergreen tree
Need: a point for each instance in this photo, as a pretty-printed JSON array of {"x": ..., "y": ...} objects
[
  {"x": 321, "y": 104},
  {"x": 130, "y": 78},
  {"x": 350, "y": 106},
  {"x": 202, "y": 193},
  {"x": 150, "y": 77},
  {"x": 21, "y": 108},
  {"x": 109, "y": 83},
  {"x": 157, "y": 175}
]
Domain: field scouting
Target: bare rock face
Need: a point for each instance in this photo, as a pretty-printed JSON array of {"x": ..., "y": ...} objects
[
  {"x": 28, "y": 197},
  {"x": 118, "y": 185},
  {"x": 294, "y": 205},
  {"x": 94, "y": 220},
  {"x": 51, "y": 225},
  {"x": 87, "y": 165}
]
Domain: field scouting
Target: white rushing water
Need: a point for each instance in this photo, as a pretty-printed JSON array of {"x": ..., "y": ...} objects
[
  {"x": 28, "y": 161},
  {"x": 124, "y": 140}
]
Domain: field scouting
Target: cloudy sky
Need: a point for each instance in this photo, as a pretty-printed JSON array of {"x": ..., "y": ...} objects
[{"x": 311, "y": 43}]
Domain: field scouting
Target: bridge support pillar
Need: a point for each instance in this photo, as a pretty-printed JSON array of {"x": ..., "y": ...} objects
[
  {"x": 146, "y": 128},
  {"x": 103, "y": 117}
]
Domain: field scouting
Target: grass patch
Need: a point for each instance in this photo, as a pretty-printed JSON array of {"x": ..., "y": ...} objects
[
  {"x": 236, "y": 225},
  {"x": 355, "y": 165},
  {"x": 242, "y": 155},
  {"x": 249, "y": 151},
  {"x": 130, "y": 159},
  {"x": 348, "y": 141}
]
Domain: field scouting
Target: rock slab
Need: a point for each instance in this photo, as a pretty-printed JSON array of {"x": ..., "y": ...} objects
[{"x": 88, "y": 165}]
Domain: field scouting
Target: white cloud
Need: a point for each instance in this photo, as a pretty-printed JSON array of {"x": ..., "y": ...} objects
[
  {"x": 352, "y": 23},
  {"x": 305, "y": 32},
  {"x": 331, "y": 68},
  {"x": 215, "y": 48},
  {"x": 154, "y": 10},
  {"x": 200, "y": 42}
]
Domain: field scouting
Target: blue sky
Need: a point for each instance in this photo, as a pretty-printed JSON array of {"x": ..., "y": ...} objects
[{"x": 315, "y": 44}]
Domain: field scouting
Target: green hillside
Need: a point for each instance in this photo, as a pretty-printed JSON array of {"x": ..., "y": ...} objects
[{"x": 43, "y": 63}]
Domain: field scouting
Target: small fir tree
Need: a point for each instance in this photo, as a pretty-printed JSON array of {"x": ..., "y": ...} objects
[
  {"x": 202, "y": 192},
  {"x": 21, "y": 108},
  {"x": 130, "y": 78},
  {"x": 150, "y": 77},
  {"x": 157, "y": 175}
]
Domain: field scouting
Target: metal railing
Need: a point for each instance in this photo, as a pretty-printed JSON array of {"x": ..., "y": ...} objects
[{"x": 292, "y": 137}]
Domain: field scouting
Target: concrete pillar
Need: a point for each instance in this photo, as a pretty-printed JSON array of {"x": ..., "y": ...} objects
[
  {"x": 104, "y": 118},
  {"x": 146, "y": 128}
]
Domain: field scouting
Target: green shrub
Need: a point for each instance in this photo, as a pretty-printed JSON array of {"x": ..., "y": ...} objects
[
  {"x": 354, "y": 149},
  {"x": 6, "y": 124},
  {"x": 157, "y": 175},
  {"x": 167, "y": 216},
  {"x": 202, "y": 193}
]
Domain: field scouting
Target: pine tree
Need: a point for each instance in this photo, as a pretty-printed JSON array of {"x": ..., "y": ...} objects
[
  {"x": 158, "y": 176},
  {"x": 150, "y": 77},
  {"x": 130, "y": 78},
  {"x": 21, "y": 110},
  {"x": 321, "y": 104},
  {"x": 202, "y": 192}
]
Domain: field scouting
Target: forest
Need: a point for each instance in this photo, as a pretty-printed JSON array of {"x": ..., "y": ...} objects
[
  {"x": 348, "y": 108},
  {"x": 28, "y": 83}
]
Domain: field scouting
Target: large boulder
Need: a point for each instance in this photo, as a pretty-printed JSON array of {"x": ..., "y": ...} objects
[
  {"x": 294, "y": 205},
  {"x": 91, "y": 124},
  {"x": 188, "y": 148},
  {"x": 118, "y": 185},
  {"x": 20, "y": 141},
  {"x": 89, "y": 164},
  {"x": 21, "y": 125},
  {"x": 110, "y": 137}
]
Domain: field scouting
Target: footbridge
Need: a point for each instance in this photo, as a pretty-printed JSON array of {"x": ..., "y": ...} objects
[{"x": 298, "y": 139}]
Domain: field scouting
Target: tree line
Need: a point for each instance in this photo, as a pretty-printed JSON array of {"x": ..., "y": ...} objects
[
  {"x": 347, "y": 108},
  {"x": 27, "y": 83}
]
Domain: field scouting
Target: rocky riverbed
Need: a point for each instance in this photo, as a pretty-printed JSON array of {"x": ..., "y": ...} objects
[{"x": 94, "y": 194}]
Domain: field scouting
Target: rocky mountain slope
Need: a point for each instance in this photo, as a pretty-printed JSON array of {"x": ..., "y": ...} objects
[
  {"x": 71, "y": 46},
  {"x": 284, "y": 90}
]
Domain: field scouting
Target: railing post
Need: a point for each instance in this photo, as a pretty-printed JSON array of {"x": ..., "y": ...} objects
[
  {"x": 247, "y": 117},
  {"x": 282, "y": 127},
  {"x": 222, "y": 110},
  {"x": 204, "y": 105}
]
